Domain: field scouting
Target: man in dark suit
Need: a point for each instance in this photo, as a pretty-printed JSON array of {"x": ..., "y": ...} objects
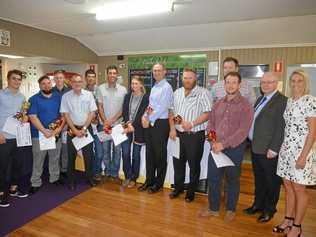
[{"x": 266, "y": 136}]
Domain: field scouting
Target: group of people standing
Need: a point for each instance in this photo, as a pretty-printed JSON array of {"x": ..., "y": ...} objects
[{"x": 280, "y": 131}]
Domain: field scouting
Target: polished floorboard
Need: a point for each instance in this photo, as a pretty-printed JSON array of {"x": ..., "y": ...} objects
[{"x": 110, "y": 210}]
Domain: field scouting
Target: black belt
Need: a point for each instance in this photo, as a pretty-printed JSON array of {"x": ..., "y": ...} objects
[{"x": 190, "y": 132}]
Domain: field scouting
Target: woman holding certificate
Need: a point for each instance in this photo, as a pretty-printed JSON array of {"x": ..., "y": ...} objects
[{"x": 134, "y": 106}]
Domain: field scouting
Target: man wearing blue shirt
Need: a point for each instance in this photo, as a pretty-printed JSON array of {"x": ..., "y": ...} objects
[
  {"x": 44, "y": 110},
  {"x": 11, "y": 100},
  {"x": 156, "y": 120}
]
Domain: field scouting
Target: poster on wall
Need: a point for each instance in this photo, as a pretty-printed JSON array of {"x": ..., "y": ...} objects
[
  {"x": 142, "y": 66},
  {"x": 5, "y": 38}
]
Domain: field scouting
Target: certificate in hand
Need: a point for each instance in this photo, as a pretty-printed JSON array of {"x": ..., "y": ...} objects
[
  {"x": 80, "y": 142},
  {"x": 10, "y": 125},
  {"x": 117, "y": 134},
  {"x": 221, "y": 160},
  {"x": 46, "y": 143},
  {"x": 23, "y": 135}
]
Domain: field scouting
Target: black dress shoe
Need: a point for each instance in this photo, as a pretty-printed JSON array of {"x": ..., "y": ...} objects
[
  {"x": 34, "y": 190},
  {"x": 92, "y": 183},
  {"x": 251, "y": 210},
  {"x": 72, "y": 186},
  {"x": 59, "y": 182},
  {"x": 175, "y": 194},
  {"x": 154, "y": 189},
  {"x": 265, "y": 217},
  {"x": 189, "y": 197},
  {"x": 144, "y": 187}
]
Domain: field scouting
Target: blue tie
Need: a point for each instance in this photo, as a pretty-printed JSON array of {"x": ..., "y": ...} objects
[{"x": 261, "y": 102}]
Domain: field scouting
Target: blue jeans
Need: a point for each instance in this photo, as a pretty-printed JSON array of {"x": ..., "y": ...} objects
[
  {"x": 112, "y": 158},
  {"x": 215, "y": 177},
  {"x": 131, "y": 164},
  {"x": 98, "y": 155}
]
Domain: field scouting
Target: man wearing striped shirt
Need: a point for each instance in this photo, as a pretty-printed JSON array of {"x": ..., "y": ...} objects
[
  {"x": 218, "y": 92},
  {"x": 192, "y": 104}
]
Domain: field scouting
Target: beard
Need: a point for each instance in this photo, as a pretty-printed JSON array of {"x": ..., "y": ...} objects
[
  {"x": 232, "y": 93},
  {"x": 189, "y": 86},
  {"x": 47, "y": 92}
]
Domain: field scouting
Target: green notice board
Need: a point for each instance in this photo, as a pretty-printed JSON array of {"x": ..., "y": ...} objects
[{"x": 142, "y": 66}]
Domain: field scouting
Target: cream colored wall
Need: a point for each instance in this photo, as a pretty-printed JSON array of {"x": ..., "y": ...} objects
[{"x": 29, "y": 41}]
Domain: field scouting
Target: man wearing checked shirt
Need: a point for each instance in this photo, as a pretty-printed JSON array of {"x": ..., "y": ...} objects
[{"x": 156, "y": 120}]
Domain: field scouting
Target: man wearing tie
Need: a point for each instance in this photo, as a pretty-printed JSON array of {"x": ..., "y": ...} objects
[
  {"x": 156, "y": 120},
  {"x": 266, "y": 136}
]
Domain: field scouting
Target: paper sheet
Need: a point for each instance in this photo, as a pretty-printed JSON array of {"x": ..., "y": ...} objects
[
  {"x": 64, "y": 137},
  {"x": 23, "y": 135},
  {"x": 103, "y": 136},
  {"x": 46, "y": 143},
  {"x": 10, "y": 125},
  {"x": 80, "y": 142},
  {"x": 117, "y": 134},
  {"x": 175, "y": 147},
  {"x": 221, "y": 160}
]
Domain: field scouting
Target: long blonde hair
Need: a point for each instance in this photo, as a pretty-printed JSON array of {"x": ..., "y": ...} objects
[
  {"x": 141, "y": 81},
  {"x": 306, "y": 79}
]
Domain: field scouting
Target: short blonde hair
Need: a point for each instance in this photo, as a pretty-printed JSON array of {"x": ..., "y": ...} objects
[{"x": 305, "y": 77}]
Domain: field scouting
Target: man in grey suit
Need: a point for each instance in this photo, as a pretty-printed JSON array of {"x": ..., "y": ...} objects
[{"x": 266, "y": 136}]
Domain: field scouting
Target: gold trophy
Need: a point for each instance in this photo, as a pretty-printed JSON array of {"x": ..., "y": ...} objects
[
  {"x": 22, "y": 114},
  {"x": 177, "y": 120},
  {"x": 211, "y": 136},
  {"x": 55, "y": 124}
]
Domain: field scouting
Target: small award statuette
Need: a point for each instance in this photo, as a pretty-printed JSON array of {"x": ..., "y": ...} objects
[
  {"x": 107, "y": 129},
  {"x": 177, "y": 120},
  {"x": 211, "y": 136},
  {"x": 55, "y": 124},
  {"x": 22, "y": 114}
]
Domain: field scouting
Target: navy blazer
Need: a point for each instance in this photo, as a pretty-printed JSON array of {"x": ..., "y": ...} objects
[{"x": 138, "y": 135}]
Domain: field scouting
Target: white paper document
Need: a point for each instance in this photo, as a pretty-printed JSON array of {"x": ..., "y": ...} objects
[
  {"x": 103, "y": 136},
  {"x": 46, "y": 143},
  {"x": 23, "y": 135},
  {"x": 80, "y": 142},
  {"x": 175, "y": 147},
  {"x": 222, "y": 160},
  {"x": 10, "y": 126},
  {"x": 117, "y": 134},
  {"x": 64, "y": 137}
]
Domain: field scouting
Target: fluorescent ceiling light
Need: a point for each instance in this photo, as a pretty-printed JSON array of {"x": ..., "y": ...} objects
[
  {"x": 308, "y": 65},
  {"x": 10, "y": 56},
  {"x": 193, "y": 56},
  {"x": 132, "y": 8}
]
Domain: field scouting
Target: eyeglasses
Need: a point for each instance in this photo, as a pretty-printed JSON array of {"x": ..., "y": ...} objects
[
  {"x": 267, "y": 82},
  {"x": 16, "y": 78}
]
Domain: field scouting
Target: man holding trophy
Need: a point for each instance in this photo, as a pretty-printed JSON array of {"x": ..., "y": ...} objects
[
  {"x": 192, "y": 104},
  {"x": 11, "y": 105},
  {"x": 46, "y": 126},
  {"x": 228, "y": 126}
]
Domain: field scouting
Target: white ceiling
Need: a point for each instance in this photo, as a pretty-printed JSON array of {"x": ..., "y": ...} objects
[{"x": 78, "y": 20}]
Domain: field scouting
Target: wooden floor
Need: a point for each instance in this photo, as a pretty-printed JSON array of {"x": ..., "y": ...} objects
[{"x": 110, "y": 210}]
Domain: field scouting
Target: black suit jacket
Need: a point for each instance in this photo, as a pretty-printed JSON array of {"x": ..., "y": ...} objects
[
  {"x": 139, "y": 130},
  {"x": 269, "y": 125}
]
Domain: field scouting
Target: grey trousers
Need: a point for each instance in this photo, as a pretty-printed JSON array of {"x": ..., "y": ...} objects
[
  {"x": 38, "y": 163},
  {"x": 64, "y": 158}
]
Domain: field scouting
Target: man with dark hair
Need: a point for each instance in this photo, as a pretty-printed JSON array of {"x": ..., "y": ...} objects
[
  {"x": 231, "y": 64},
  {"x": 192, "y": 104},
  {"x": 230, "y": 120},
  {"x": 156, "y": 120},
  {"x": 91, "y": 85},
  {"x": 61, "y": 89},
  {"x": 11, "y": 101},
  {"x": 44, "y": 111},
  {"x": 110, "y": 97}
]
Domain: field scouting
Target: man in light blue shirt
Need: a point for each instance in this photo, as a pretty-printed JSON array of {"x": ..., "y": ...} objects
[
  {"x": 11, "y": 100},
  {"x": 156, "y": 120}
]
